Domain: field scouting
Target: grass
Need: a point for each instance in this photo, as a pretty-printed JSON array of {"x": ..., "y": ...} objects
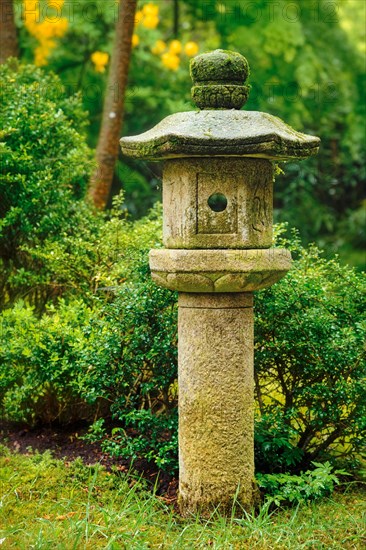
[{"x": 46, "y": 503}]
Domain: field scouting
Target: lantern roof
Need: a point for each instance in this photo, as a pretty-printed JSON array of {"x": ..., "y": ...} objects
[{"x": 220, "y": 127}]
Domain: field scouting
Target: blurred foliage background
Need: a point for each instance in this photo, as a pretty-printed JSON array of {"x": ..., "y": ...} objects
[{"x": 307, "y": 60}]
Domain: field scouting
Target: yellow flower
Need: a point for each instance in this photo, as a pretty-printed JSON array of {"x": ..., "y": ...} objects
[
  {"x": 42, "y": 52},
  {"x": 46, "y": 29},
  {"x": 30, "y": 24},
  {"x": 191, "y": 49},
  {"x": 31, "y": 14},
  {"x": 151, "y": 21},
  {"x": 31, "y": 5},
  {"x": 138, "y": 17},
  {"x": 150, "y": 10},
  {"x": 61, "y": 27},
  {"x": 175, "y": 47},
  {"x": 56, "y": 3},
  {"x": 171, "y": 61},
  {"x": 49, "y": 29},
  {"x": 43, "y": 31},
  {"x": 135, "y": 40},
  {"x": 159, "y": 47},
  {"x": 40, "y": 58},
  {"x": 100, "y": 60}
]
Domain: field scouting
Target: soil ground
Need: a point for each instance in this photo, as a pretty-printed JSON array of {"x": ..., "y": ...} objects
[{"x": 65, "y": 443}]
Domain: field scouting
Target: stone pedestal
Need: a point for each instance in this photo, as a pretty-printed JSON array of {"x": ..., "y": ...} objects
[
  {"x": 219, "y": 165},
  {"x": 215, "y": 350}
]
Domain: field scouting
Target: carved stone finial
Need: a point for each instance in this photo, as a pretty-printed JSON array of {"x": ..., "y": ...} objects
[{"x": 218, "y": 79}]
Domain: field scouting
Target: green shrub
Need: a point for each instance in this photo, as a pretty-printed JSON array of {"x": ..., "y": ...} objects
[
  {"x": 144, "y": 435},
  {"x": 101, "y": 253},
  {"x": 45, "y": 167},
  {"x": 130, "y": 357},
  {"x": 39, "y": 376},
  {"x": 130, "y": 360},
  {"x": 295, "y": 489},
  {"x": 52, "y": 243},
  {"x": 310, "y": 363},
  {"x": 49, "y": 363}
]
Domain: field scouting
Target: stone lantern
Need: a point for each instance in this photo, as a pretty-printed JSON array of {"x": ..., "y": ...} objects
[{"x": 218, "y": 178}]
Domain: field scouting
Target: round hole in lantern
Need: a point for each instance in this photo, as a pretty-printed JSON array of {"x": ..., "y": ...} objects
[{"x": 217, "y": 202}]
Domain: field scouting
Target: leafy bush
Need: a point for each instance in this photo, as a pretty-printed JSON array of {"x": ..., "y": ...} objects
[
  {"x": 101, "y": 253},
  {"x": 45, "y": 167},
  {"x": 49, "y": 362},
  {"x": 310, "y": 363},
  {"x": 39, "y": 377},
  {"x": 130, "y": 360},
  {"x": 52, "y": 243},
  {"x": 148, "y": 435},
  {"x": 293, "y": 489}
]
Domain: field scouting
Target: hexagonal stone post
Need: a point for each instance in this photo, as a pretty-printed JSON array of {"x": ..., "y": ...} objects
[{"x": 217, "y": 203}]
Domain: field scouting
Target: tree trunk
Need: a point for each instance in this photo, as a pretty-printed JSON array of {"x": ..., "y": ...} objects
[
  {"x": 176, "y": 19},
  {"x": 8, "y": 31},
  {"x": 108, "y": 141}
]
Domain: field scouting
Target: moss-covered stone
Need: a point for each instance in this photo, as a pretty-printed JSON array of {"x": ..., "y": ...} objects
[
  {"x": 219, "y": 271},
  {"x": 219, "y": 96},
  {"x": 216, "y": 256},
  {"x": 190, "y": 221},
  {"x": 219, "y": 78},
  {"x": 221, "y": 133},
  {"x": 219, "y": 66},
  {"x": 216, "y": 449},
  {"x": 221, "y": 129}
]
